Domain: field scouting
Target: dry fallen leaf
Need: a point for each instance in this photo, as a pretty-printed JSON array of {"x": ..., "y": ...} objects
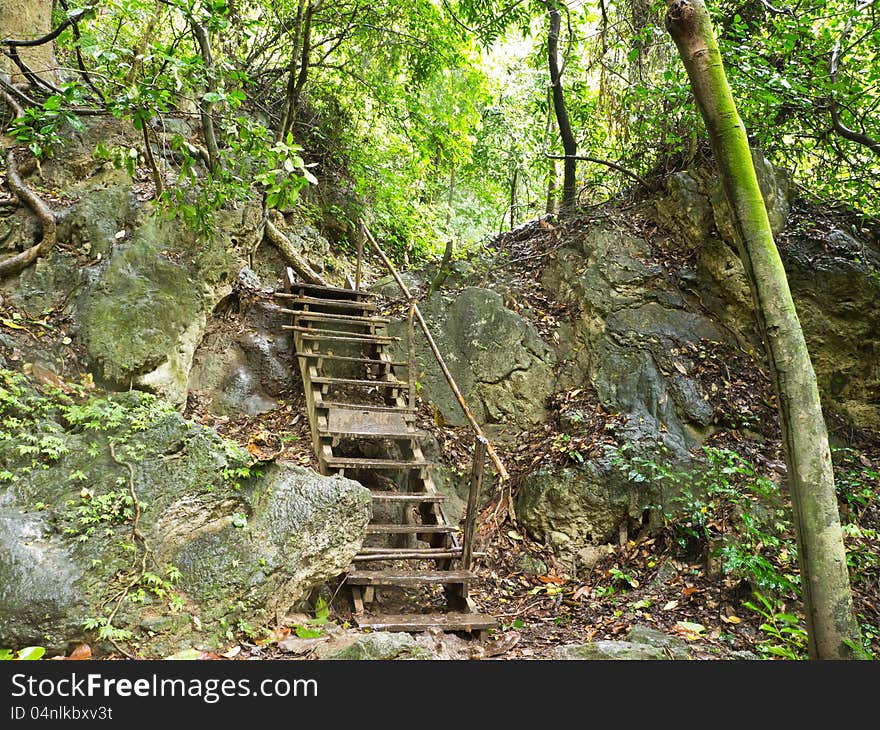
[
  {"x": 681, "y": 368},
  {"x": 669, "y": 606},
  {"x": 81, "y": 653}
]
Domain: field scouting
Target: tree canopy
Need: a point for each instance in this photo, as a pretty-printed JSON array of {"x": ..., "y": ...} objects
[{"x": 437, "y": 115}]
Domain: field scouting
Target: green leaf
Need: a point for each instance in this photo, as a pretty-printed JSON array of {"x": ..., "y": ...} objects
[
  {"x": 31, "y": 653},
  {"x": 304, "y": 632}
]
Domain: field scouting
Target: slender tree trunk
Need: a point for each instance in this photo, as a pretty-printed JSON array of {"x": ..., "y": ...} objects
[
  {"x": 552, "y": 186},
  {"x": 514, "y": 184},
  {"x": 207, "y": 108},
  {"x": 831, "y": 625},
  {"x": 569, "y": 144},
  {"x": 298, "y": 71},
  {"x": 26, "y": 20}
]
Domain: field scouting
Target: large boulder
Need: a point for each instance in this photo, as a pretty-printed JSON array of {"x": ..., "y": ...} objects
[
  {"x": 231, "y": 545},
  {"x": 501, "y": 365}
]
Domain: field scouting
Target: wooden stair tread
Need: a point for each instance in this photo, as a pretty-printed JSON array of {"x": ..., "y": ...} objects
[
  {"x": 348, "y": 358},
  {"x": 347, "y": 462},
  {"x": 333, "y": 303},
  {"x": 371, "y": 555},
  {"x": 364, "y": 407},
  {"x": 330, "y": 317},
  {"x": 332, "y": 336},
  {"x": 332, "y": 289},
  {"x": 409, "y": 497},
  {"x": 407, "y": 577},
  {"x": 322, "y": 380},
  {"x": 381, "y": 529},
  {"x": 423, "y": 621},
  {"x": 380, "y": 432}
]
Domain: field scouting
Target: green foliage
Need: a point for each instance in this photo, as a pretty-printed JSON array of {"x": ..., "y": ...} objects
[
  {"x": 28, "y": 653},
  {"x": 42, "y": 128},
  {"x": 724, "y": 506},
  {"x": 785, "y": 635}
]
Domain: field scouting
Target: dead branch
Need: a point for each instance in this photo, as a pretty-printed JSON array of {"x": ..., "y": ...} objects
[
  {"x": 292, "y": 256},
  {"x": 19, "y": 262},
  {"x": 608, "y": 163}
]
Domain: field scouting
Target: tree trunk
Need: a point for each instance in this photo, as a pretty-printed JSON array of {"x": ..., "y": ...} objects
[
  {"x": 26, "y": 20},
  {"x": 831, "y": 625},
  {"x": 552, "y": 186},
  {"x": 569, "y": 144}
]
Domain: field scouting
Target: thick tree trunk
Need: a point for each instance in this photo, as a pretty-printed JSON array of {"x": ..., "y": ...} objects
[
  {"x": 831, "y": 625},
  {"x": 26, "y": 20},
  {"x": 569, "y": 144}
]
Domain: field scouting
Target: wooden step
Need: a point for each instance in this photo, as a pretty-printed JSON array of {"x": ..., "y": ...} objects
[
  {"x": 425, "y": 621},
  {"x": 409, "y": 497},
  {"x": 346, "y": 462},
  {"x": 406, "y": 578},
  {"x": 379, "y": 432},
  {"x": 346, "y": 358},
  {"x": 329, "y": 317},
  {"x": 330, "y": 303},
  {"x": 307, "y": 333},
  {"x": 406, "y": 554},
  {"x": 363, "y": 407},
  {"x": 398, "y": 384},
  {"x": 378, "y": 529},
  {"x": 303, "y": 286}
]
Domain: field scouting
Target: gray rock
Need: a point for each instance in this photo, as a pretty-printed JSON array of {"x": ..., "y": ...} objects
[
  {"x": 530, "y": 565},
  {"x": 574, "y": 508},
  {"x": 247, "y": 548},
  {"x": 241, "y": 395},
  {"x": 381, "y": 646},
  {"x": 676, "y": 647},
  {"x": 609, "y": 650},
  {"x": 501, "y": 365},
  {"x": 295, "y": 645}
]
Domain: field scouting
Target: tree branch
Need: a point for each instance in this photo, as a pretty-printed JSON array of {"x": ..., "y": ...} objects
[
  {"x": 49, "y": 36},
  {"x": 292, "y": 256},
  {"x": 599, "y": 161}
]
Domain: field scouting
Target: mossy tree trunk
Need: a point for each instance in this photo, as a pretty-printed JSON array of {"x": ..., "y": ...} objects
[
  {"x": 831, "y": 625},
  {"x": 25, "y": 20}
]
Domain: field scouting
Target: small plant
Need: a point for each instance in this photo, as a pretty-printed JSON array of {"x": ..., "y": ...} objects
[{"x": 786, "y": 637}]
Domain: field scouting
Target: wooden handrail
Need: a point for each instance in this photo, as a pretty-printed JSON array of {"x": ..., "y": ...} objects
[
  {"x": 470, "y": 516},
  {"x": 502, "y": 472}
]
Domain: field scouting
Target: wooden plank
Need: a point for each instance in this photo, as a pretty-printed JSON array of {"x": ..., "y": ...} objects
[
  {"x": 331, "y": 303},
  {"x": 430, "y": 554},
  {"x": 408, "y": 497},
  {"x": 346, "y": 358},
  {"x": 300, "y": 285},
  {"x": 403, "y": 410},
  {"x": 408, "y": 529},
  {"x": 422, "y": 622},
  {"x": 371, "y": 433},
  {"x": 330, "y": 336},
  {"x": 379, "y": 550},
  {"x": 361, "y": 383},
  {"x": 330, "y": 317},
  {"x": 405, "y": 578},
  {"x": 346, "y": 462}
]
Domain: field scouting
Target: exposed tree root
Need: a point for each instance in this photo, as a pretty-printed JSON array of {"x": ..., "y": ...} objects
[
  {"x": 292, "y": 256},
  {"x": 17, "y": 263}
]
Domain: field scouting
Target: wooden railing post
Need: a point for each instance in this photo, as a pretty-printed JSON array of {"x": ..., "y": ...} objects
[
  {"x": 470, "y": 520},
  {"x": 411, "y": 342},
  {"x": 502, "y": 472},
  {"x": 360, "y": 256}
]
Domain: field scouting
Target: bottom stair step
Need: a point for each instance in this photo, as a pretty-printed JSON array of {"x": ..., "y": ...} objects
[
  {"x": 405, "y": 578},
  {"x": 424, "y": 621}
]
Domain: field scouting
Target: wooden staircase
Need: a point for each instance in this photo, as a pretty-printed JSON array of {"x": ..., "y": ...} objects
[{"x": 362, "y": 425}]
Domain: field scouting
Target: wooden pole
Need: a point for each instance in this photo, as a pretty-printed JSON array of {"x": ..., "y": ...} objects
[
  {"x": 411, "y": 342},
  {"x": 470, "y": 520},
  {"x": 502, "y": 472},
  {"x": 360, "y": 256}
]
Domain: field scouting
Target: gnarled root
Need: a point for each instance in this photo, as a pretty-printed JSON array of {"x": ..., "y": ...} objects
[{"x": 20, "y": 261}]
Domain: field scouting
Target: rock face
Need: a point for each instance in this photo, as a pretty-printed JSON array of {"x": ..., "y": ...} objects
[
  {"x": 501, "y": 365},
  {"x": 233, "y": 548}
]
